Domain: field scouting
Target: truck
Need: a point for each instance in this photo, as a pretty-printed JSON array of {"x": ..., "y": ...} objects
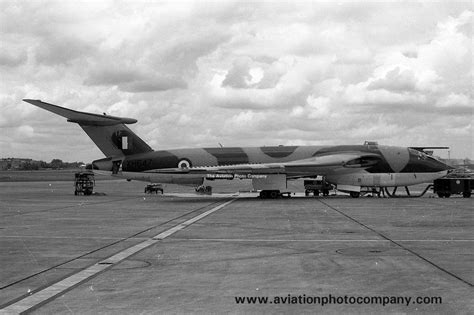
[
  {"x": 84, "y": 183},
  {"x": 316, "y": 186},
  {"x": 153, "y": 188},
  {"x": 203, "y": 190},
  {"x": 447, "y": 186}
]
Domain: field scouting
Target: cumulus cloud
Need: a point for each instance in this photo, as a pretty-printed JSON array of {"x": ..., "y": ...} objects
[
  {"x": 356, "y": 56},
  {"x": 154, "y": 84},
  {"x": 315, "y": 108},
  {"x": 249, "y": 73},
  {"x": 112, "y": 76},
  {"x": 12, "y": 59},
  {"x": 133, "y": 80},
  {"x": 395, "y": 80},
  {"x": 26, "y": 131},
  {"x": 455, "y": 100},
  {"x": 238, "y": 73},
  {"x": 410, "y": 54},
  {"x": 61, "y": 50}
]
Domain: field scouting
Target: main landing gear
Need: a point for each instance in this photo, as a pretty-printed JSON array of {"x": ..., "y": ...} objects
[
  {"x": 273, "y": 194},
  {"x": 355, "y": 194}
]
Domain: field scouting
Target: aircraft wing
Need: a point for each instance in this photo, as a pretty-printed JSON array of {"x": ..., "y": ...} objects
[{"x": 317, "y": 165}]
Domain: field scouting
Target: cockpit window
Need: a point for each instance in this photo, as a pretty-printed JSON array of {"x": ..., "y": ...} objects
[{"x": 419, "y": 154}]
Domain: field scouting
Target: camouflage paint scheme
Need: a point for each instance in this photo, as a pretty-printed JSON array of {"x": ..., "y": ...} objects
[
  {"x": 130, "y": 157},
  {"x": 392, "y": 159},
  {"x": 360, "y": 165}
]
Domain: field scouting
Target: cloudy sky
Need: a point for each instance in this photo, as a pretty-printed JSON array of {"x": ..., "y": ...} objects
[{"x": 239, "y": 73}]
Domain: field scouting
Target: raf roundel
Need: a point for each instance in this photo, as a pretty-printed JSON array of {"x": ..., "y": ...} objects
[{"x": 184, "y": 163}]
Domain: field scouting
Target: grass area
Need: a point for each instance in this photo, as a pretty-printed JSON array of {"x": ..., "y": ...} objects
[{"x": 43, "y": 175}]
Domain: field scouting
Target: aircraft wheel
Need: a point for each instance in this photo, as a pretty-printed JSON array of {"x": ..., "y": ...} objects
[
  {"x": 355, "y": 194},
  {"x": 316, "y": 193},
  {"x": 274, "y": 194},
  {"x": 440, "y": 195},
  {"x": 263, "y": 194},
  {"x": 466, "y": 194},
  {"x": 447, "y": 195},
  {"x": 307, "y": 192}
]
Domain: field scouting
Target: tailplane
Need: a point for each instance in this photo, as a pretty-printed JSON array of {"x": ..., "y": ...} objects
[{"x": 109, "y": 133}]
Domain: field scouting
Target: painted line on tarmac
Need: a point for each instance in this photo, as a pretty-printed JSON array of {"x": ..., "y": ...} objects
[
  {"x": 231, "y": 239},
  {"x": 68, "y": 237},
  {"x": 303, "y": 240},
  {"x": 47, "y": 294},
  {"x": 399, "y": 244}
]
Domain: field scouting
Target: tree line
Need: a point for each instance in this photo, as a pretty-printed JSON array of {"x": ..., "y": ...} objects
[{"x": 37, "y": 165}]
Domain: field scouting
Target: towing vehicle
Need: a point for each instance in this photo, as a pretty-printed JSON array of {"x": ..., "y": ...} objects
[
  {"x": 153, "y": 188},
  {"x": 447, "y": 186},
  {"x": 317, "y": 186}
]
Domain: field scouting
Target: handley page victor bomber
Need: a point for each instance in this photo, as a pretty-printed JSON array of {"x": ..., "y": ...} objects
[{"x": 349, "y": 167}]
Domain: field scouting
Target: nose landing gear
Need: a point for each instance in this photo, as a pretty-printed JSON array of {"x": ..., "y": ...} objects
[{"x": 273, "y": 194}]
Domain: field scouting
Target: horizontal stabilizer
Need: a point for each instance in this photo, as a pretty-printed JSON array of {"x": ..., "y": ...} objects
[
  {"x": 82, "y": 118},
  {"x": 109, "y": 133}
]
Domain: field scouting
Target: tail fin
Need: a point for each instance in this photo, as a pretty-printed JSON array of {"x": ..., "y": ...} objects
[{"x": 109, "y": 133}]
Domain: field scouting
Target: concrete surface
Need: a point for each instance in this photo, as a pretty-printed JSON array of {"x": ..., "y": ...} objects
[{"x": 308, "y": 247}]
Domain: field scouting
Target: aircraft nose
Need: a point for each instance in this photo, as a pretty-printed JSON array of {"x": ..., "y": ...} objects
[
  {"x": 420, "y": 162},
  {"x": 435, "y": 165},
  {"x": 442, "y": 166}
]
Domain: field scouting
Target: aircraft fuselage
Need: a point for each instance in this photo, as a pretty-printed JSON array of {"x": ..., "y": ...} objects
[{"x": 380, "y": 166}]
